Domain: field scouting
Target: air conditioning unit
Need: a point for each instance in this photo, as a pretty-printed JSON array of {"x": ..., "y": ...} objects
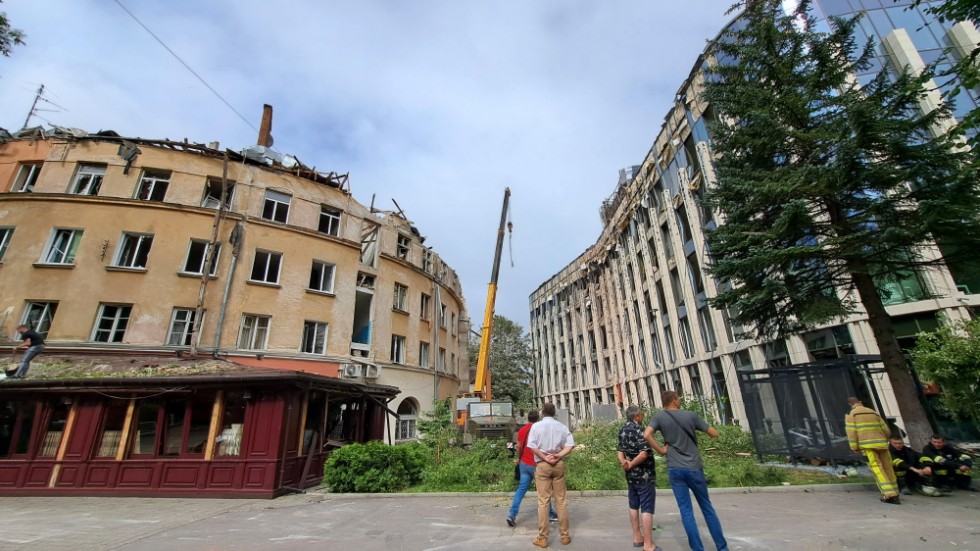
[
  {"x": 351, "y": 371},
  {"x": 372, "y": 371}
]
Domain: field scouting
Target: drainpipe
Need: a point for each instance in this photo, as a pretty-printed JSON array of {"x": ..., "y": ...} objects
[{"x": 436, "y": 311}]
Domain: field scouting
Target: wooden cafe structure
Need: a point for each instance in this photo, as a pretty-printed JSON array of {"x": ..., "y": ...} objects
[{"x": 223, "y": 431}]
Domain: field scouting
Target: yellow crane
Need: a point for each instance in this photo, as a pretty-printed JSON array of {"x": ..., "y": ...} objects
[{"x": 477, "y": 413}]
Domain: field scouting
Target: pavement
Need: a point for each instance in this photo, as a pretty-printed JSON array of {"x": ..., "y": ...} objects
[{"x": 830, "y": 517}]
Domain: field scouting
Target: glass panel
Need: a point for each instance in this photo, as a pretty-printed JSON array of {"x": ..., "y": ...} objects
[
  {"x": 146, "y": 428},
  {"x": 55, "y": 429},
  {"x": 173, "y": 426},
  {"x": 314, "y": 420},
  {"x": 229, "y": 440},
  {"x": 112, "y": 426},
  {"x": 200, "y": 424}
]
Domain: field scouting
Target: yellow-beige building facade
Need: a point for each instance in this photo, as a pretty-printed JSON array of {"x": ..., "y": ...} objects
[{"x": 112, "y": 246}]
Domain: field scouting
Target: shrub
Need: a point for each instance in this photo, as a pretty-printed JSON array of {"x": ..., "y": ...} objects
[
  {"x": 486, "y": 466},
  {"x": 375, "y": 467}
]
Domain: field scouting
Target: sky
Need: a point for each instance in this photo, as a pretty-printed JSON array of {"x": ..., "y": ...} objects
[{"x": 436, "y": 104}]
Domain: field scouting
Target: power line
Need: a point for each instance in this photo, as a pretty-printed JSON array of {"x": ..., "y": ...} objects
[{"x": 186, "y": 66}]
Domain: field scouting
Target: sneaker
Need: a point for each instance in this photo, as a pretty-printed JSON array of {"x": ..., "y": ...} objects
[
  {"x": 930, "y": 491},
  {"x": 565, "y": 540},
  {"x": 553, "y": 519},
  {"x": 540, "y": 542},
  {"x": 906, "y": 492},
  {"x": 511, "y": 522}
]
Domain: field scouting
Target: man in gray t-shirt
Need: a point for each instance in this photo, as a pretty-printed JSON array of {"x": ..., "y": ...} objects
[{"x": 685, "y": 469}]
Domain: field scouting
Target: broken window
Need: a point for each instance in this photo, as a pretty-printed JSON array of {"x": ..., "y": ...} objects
[
  {"x": 276, "y": 206},
  {"x": 365, "y": 281},
  {"x": 369, "y": 244},
  {"x": 265, "y": 266},
  {"x": 153, "y": 185},
  {"x": 314, "y": 337},
  {"x": 397, "y": 349},
  {"x": 134, "y": 250},
  {"x": 181, "y": 327},
  {"x": 427, "y": 261},
  {"x": 403, "y": 247},
  {"x": 39, "y": 315},
  {"x": 321, "y": 277},
  {"x": 254, "y": 332},
  {"x": 112, "y": 322},
  {"x": 443, "y": 317},
  {"x": 62, "y": 247},
  {"x": 27, "y": 177},
  {"x": 5, "y": 234},
  {"x": 88, "y": 179},
  {"x": 401, "y": 297},
  {"x": 329, "y": 221},
  {"x": 197, "y": 258},
  {"x": 213, "y": 193},
  {"x": 423, "y": 354},
  {"x": 425, "y": 307}
]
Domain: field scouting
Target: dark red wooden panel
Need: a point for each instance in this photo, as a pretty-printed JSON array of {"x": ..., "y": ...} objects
[
  {"x": 10, "y": 474},
  {"x": 97, "y": 476},
  {"x": 221, "y": 476},
  {"x": 135, "y": 475}
]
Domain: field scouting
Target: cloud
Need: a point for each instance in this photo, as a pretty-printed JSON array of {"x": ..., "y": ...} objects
[{"x": 436, "y": 104}]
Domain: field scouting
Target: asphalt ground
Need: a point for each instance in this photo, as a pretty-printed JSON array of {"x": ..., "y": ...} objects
[{"x": 784, "y": 518}]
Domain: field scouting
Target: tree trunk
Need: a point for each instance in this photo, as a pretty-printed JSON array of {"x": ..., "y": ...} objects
[{"x": 906, "y": 394}]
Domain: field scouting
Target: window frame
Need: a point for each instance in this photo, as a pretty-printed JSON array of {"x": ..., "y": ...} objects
[
  {"x": 142, "y": 240},
  {"x": 400, "y": 297},
  {"x": 68, "y": 255},
  {"x": 210, "y": 201},
  {"x": 424, "y": 350},
  {"x": 403, "y": 246},
  {"x": 258, "y": 319},
  {"x": 204, "y": 257},
  {"x": 275, "y": 207},
  {"x": 153, "y": 179},
  {"x": 425, "y": 306},
  {"x": 81, "y": 185},
  {"x": 315, "y": 326},
  {"x": 47, "y": 312},
  {"x": 117, "y": 332},
  {"x": 329, "y": 221},
  {"x": 325, "y": 286},
  {"x": 27, "y": 176},
  {"x": 188, "y": 323},
  {"x": 268, "y": 256},
  {"x": 6, "y": 233},
  {"x": 397, "y": 355}
]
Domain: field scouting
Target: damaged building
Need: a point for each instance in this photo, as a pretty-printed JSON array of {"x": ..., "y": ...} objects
[
  {"x": 168, "y": 253},
  {"x": 629, "y": 318}
]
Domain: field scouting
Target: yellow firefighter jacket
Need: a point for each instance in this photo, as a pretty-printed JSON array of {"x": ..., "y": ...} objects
[{"x": 866, "y": 430}]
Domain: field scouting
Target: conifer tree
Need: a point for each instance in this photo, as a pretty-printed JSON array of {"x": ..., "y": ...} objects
[{"x": 828, "y": 188}]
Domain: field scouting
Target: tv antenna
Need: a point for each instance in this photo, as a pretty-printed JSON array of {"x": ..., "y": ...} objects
[{"x": 39, "y": 96}]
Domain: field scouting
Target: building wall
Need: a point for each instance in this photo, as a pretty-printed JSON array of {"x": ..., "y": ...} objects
[
  {"x": 629, "y": 318},
  {"x": 153, "y": 290}
]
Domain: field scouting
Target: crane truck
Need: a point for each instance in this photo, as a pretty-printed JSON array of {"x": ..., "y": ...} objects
[{"x": 477, "y": 413}]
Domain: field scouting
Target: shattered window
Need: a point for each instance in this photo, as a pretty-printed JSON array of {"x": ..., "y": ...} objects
[
  {"x": 153, "y": 185},
  {"x": 369, "y": 244},
  {"x": 112, "y": 322},
  {"x": 213, "y": 192},
  {"x": 403, "y": 247},
  {"x": 329, "y": 221},
  {"x": 88, "y": 179},
  {"x": 134, "y": 250},
  {"x": 276, "y": 206},
  {"x": 265, "y": 267}
]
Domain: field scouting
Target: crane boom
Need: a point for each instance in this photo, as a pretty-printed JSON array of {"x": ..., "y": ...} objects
[{"x": 482, "y": 386}]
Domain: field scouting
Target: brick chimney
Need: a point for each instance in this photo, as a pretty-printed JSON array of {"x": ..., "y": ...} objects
[{"x": 265, "y": 129}]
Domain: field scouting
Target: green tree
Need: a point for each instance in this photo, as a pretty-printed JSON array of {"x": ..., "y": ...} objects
[
  {"x": 9, "y": 36},
  {"x": 510, "y": 362},
  {"x": 950, "y": 358},
  {"x": 828, "y": 187}
]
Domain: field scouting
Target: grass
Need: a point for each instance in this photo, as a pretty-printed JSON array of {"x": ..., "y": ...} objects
[{"x": 729, "y": 461}]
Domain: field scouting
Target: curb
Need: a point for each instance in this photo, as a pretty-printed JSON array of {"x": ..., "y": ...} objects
[{"x": 809, "y": 488}]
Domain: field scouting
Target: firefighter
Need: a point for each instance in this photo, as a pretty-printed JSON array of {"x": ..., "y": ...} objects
[
  {"x": 867, "y": 433},
  {"x": 950, "y": 466},
  {"x": 911, "y": 472}
]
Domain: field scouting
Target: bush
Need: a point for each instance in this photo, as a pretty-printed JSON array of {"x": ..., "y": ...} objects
[
  {"x": 486, "y": 466},
  {"x": 375, "y": 467}
]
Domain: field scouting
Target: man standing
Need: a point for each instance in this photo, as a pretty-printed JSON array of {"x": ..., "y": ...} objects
[
  {"x": 685, "y": 470},
  {"x": 912, "y": 472},
  {"x": 868, "y": 433},
  {"x": 636, "y": 458},
  {"x": 525, "y": 462},
  {"x": 950, "y": 465},
  {"x": 34, "y": 343},
  {"x": 550, "y": 441}
]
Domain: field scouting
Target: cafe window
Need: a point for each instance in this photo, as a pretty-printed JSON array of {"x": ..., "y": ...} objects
[
  {"x": 16, "y": 423},
  {"x": 57, "y": 421},
  {"x": 229, "y": 441},
  {"x": 112, "y": 427}
]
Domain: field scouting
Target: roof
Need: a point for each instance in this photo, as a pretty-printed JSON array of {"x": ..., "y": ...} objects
[{"x": 60, "y": 372}]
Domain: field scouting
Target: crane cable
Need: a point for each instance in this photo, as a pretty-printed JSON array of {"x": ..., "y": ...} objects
[{"x": 510, "y": 237}]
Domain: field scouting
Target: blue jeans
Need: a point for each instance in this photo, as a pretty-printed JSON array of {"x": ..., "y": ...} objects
[
  {"x": 527, "y": 475},
  {"x": 683, "y": 482},
  {"x": 25, "y": 363}
]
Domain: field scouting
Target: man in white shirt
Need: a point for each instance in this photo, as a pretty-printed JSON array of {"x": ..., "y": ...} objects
[{"x": 550, "y": 441}]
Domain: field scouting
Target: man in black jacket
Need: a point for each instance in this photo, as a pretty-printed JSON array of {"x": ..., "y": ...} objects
[
  {"x": 911, "y": 471},
  {"x": 950, "y": 466}
]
